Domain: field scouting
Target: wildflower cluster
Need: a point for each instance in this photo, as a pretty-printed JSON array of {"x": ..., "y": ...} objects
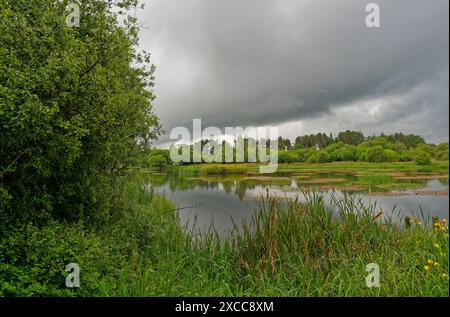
[
  {"x": 439, "y": 250},
  {"x": 440, "y": 225}
]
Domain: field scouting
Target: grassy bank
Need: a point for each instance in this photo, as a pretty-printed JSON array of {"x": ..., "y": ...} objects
[
  {"x": 436, "y": 167},
  {"x": 340, "y": 175},
  {"x": 288, "y": 249}
]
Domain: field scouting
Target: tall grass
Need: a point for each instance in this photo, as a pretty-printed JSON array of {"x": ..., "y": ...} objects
[
  {"x": 375, "y": 179},
  {"x": 288, "y": 248},
  {"x": 293, "y": 248},
  {"x": 223, "y": 169}
]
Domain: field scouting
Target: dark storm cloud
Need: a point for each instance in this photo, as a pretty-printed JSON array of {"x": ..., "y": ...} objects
[{"x": 315, "y": 63}]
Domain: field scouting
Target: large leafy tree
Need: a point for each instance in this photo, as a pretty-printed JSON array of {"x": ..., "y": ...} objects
[{"x": 75, "y": 107}]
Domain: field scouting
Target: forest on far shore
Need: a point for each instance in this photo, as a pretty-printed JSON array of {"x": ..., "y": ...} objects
[{"x": 347, "y": 146}]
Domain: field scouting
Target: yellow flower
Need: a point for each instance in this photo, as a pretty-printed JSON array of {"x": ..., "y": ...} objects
[
  {"x": 436, "y": 264},
  {"x": 446, "y": 235},
  {"x": 418, "y": 223},
  {"x": 438, "y": 226},
  {"x": 445, "y": 276},
  {"x": 426, "y": 268},
  {"x": 430, "y": 262},
  {"x": 437, "y": 246},
  {"x": 442, "y": 254}
]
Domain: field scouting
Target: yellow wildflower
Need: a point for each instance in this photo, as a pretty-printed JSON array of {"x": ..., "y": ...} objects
[
  {"x": 445, "y": 276},
  {"x": 438, "y": 226},
  {"x": 430, "y": 262},
  {"x": 436, "y": 264},
  {"x": 442, "y": 254},
  {"x": 437, "y": 246},
  {"x": 426, "y": 268}
]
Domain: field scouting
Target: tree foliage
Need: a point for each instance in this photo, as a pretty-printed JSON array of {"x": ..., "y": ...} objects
[{"x": 75, "y": 107}]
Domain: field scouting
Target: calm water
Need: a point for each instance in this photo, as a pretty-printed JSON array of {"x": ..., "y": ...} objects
[{"x": 223, "y": 201}]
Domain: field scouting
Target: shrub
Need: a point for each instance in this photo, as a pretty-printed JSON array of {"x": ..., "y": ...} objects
[
  {"x": 378, "y": 154},
  {"x": 33, "y": 261},
  {"x": 157, "y": 161},
  {"x": 304, "y": 154},
  {"x": 390, "y": 156},
  {"x": 323, "y": 156},
  {"x": 313, "y": 158},
  {"x": 427, "y": 148},
  {"x": 405, "y": 156},
  {"x": 442, "y": 155},
  {"x": 345, "y": 153},
  {"x": 287, "y": 157},
  {"x": 422, "y": 158},
  {"x": 73, "y": 105}
]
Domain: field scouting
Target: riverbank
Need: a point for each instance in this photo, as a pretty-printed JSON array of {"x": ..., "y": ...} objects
[
  {"x": 297, "y": 249},
  {"x": 438, "y": 167},
  {"x": 345, "y": 176}
]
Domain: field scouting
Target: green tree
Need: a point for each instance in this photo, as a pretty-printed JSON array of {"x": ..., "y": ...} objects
[
  {"x": 157, "y": 161},
  {"x": 75, "y": 108},
  {"x": 377, "y": 154},
  {"x": 351, "y": 137},
  {"x": 422, "y": 157},
  {"x": 287, "y": 157}
]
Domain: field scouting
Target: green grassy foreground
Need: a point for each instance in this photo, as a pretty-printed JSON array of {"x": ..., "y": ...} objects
[{"x": 294, "y": 249}]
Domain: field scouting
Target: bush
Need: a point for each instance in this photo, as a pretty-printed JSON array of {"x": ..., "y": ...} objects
[
  {"x": 390, "y": 156},
  {"x": 287, "y": 157},
  {"x": 427, "y": 148},
  {"x": 323, "y": 156},
  {"x": 313, "y": 158},
  {"x": 422, "y": 158},
  {"x": 33, "y": 261},
  {"x": 73, "y": 105},
  {"x": 442, "y": 155},
  {"x": 378, "y": 154},
  {"x": 345, "y": 153},
  {"x": 304, "y": 154},
  {"x": 157, "y": 161},
  {"x": 405, "y": 156}
]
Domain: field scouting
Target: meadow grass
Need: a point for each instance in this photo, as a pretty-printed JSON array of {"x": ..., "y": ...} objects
[
  {"x": 375, "y": 179},
  {"x": 436, "y": 167},
  {"x": 290, "y": 248},
  {"x": 223, "y": 169}
]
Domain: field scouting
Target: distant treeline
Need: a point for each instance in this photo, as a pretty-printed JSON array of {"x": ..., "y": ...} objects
[{"x": 323, "y": 148}]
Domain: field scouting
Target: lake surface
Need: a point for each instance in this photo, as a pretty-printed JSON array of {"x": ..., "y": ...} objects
[{"x": 220, "y": 202}]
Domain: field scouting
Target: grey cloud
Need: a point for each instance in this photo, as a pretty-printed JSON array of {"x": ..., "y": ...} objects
[{"x": 256, "y": 62}]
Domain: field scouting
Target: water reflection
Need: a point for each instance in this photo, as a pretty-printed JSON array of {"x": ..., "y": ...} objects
[{"x": 220, "y": 202}]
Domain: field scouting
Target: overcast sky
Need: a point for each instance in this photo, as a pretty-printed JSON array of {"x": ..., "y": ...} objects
[{"x": 305, "y": 66}]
